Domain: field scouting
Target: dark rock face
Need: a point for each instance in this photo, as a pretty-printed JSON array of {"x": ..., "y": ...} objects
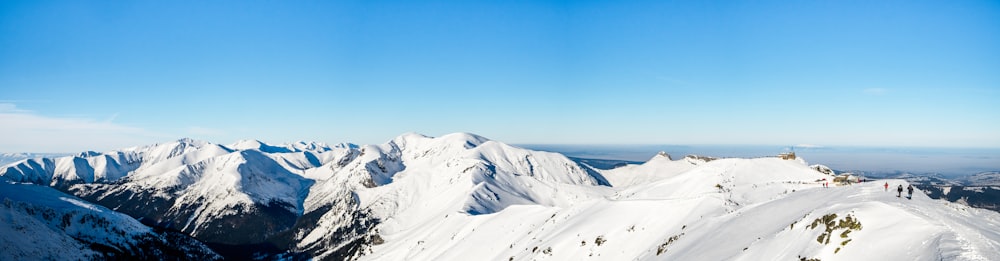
[
  {"x": 248, "y": 225},
  {"x": 257, "y": 231},
  {"x": 145, "y": 207},
  {"x": 352, "y": 235},
  {"x": 352, "y": 238},
  {"x": 172, "y": 246}
]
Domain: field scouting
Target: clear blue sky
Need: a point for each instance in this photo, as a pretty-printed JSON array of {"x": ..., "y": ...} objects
[{"x": 99, "y": 75}]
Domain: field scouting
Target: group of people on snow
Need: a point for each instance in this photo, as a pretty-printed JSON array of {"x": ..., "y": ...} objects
[{"x": 899, "y": 190}]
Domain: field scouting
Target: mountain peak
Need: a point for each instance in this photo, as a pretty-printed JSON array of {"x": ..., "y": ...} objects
[
  {"x": 191, "y": 141},
  {"x": 259, "y": 145},
  {"x": 468, "y": 139},
  {"x": 312, "y": 146},
  {"x": 410, "y": 136},
  {"x": 87, "y": 154},
  {"x": 464, "y": 139},
  {"x": 247, "y": 144},
  {"x": 663, "y": 154}
]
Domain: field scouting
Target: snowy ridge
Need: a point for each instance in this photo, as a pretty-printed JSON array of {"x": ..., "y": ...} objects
[
  {"x": 462, "y": 196},
  {"x": 7, "y": 158},
  {"x": 724, "y": 209},
  {"x": 300, "y": 146}
]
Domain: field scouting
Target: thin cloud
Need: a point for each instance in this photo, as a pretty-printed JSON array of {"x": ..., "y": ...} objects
[
  {"x": 112, "y": 118},
  {"x": 24, "y": 101},
  {"x": 11, "y": 108},
  {"x": 27, "y": 131}
]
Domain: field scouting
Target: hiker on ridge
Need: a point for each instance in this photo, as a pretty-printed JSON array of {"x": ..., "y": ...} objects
[
  {"x": 887, "y": 186},
  {"x": 899, "y": 191},
  {"x": 909, "y": 192}
]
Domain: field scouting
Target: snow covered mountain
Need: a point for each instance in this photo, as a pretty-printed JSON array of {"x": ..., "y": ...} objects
[
  {"x": 462, "y": 196},
  {"x": 40, "y": 223},
  {"x": 7, "y": 158},
  {"x": 221, "y": 194}
]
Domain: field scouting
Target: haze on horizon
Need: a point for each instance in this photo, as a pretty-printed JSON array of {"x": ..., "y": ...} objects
[{"x": 99, "y": 75}]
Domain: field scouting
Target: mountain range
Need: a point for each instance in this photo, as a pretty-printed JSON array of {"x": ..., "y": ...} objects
[
  {"x": 7, "y": 158},
  {"x": 463, "y": 196}
]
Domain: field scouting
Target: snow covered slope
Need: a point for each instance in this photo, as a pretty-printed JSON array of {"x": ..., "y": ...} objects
[
  {"x": 304, "y": 197},
  {"x": 659, "y": 167},
  {"x": 461, "y": 196},
  {"x": 414, "y": 179},
  {"x": 726, "y": 209},
  {"x": 40, "y": 223}
]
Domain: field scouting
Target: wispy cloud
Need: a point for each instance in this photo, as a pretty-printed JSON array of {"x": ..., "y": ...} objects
[
  {"x": 24, "y": 101},
  {"x": 11, "y": 108},
  {"x": 112, "y": 118},
  {"x": 875, "y": 91},
  {"x": 28, "y": 131}
]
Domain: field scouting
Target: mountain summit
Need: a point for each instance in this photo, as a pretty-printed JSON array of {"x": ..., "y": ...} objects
[{"x": 463, "y": 196}]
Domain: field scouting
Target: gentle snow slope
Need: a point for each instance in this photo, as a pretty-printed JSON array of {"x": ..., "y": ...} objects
[{"x": 727, "y": 209}]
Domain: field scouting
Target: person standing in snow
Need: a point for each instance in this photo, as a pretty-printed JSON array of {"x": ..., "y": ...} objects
[
  {"x": 909, "y": 191},
  {"x": 899, "y": 191},
  {"x": 887, "y": 186}
]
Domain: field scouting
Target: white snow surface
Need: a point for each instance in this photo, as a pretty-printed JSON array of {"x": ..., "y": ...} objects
[
  {"x": 726, "y": 209},
  {"x": 464, "y": 197},
  {"x": 417, "y": 180},
  {"x": 41, "y": 223}
]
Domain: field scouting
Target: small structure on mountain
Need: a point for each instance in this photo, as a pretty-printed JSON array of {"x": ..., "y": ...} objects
[
  {"x": 699, "y": 158},
  {"x": 787, "y": 155},
  {"x": 846, "y": 178}
]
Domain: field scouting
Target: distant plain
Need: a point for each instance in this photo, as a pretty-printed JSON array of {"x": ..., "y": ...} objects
[{"x": 951, "y": 162}]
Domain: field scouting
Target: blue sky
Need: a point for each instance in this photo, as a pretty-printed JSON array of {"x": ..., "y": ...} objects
[{"x": 78, "y": 75}]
